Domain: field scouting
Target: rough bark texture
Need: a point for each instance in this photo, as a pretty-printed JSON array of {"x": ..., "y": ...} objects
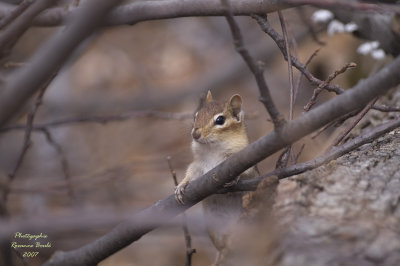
[{"x": 346, "y": 212}]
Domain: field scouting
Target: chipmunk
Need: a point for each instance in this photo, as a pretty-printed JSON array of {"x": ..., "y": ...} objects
[{"x": 218, "y": 132}]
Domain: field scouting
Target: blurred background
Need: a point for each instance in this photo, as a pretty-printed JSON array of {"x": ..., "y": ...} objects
[{"x": 119, "y": 166}]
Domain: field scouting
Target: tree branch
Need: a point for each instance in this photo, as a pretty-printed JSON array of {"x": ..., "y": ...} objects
[
  {"x": 22, "y": 84},
  {"x": 27, "y": 142},
  {"x": 126, "y": 233},
  {"x": 137, "y": 11},
  {"x": 256, "y": 69},
  {"x": 334, "y": 153},
  {"x": 355, "y": 121},
  {"x": 20, "y": 24},
  {"x": 290, "y": 70},
  {"x": 280, "y": 42},
  {"x": 14, "y": 13},
  {"x": 63, "y": 160},
  {"x": 188, "y": 239},
  {"x": 384, "y": 108},
  {"x": 325, "y": 83}
]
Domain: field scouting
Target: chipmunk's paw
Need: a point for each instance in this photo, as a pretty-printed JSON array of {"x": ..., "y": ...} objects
[
  {"x": 180, "y": 190},
  {"x": 232, "y": 183}
]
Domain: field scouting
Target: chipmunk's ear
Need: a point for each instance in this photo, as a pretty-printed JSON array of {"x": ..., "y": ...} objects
[
  {"x": 235, "y": 106},
  {"x": 203, "y": 99},
  {"x": 209, "y": 97}
]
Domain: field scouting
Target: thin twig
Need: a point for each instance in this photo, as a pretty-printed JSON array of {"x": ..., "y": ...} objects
[
  {"x": 354, "y": 123},
  {"x": 322, "y": 129},
  {"x": 256, "y": 69},
  {"x": 336, "y": 123},
  {"x": 63, "y": 159},
  {"x": 324, "y": 84},
  {"x": 297, "y": 86},
  {"x": 314, "y": 54},
  {"x": 188, "y": 239},
  {"x": 298, "y": 81},
  {"x": 384, "y": 108},
  {"x": 284, "y": 158},
  {"x": 280, "y": 42},
  {"x": 290, "y": 70},
  {"x": 361, "y": 114},
  {"x": 27, "y": 138},
  {"x": 299, "y": 153}
]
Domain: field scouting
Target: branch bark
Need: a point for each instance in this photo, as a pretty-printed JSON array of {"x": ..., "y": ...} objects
[{"x": 126, "y": 233}]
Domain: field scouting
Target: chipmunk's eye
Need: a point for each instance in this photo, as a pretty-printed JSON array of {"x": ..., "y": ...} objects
[{"x": 220, "y": 120}]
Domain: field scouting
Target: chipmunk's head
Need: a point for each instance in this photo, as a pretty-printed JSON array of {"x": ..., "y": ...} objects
[{"x": 218, "y": 122}]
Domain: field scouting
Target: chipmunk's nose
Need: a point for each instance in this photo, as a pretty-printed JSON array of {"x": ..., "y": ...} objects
[{"x": 196, "y": 133}]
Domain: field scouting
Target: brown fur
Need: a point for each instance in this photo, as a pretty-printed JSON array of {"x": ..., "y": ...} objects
[
  {"x": 211, "y": 145},
  {"x": 206, "y": 112}
]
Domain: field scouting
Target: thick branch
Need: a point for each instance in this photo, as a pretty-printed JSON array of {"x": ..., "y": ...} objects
[
  {"x": 211, "y": 182},
  {"x": 138, "y": 11},
  {"x": 22, "y": 84}
]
